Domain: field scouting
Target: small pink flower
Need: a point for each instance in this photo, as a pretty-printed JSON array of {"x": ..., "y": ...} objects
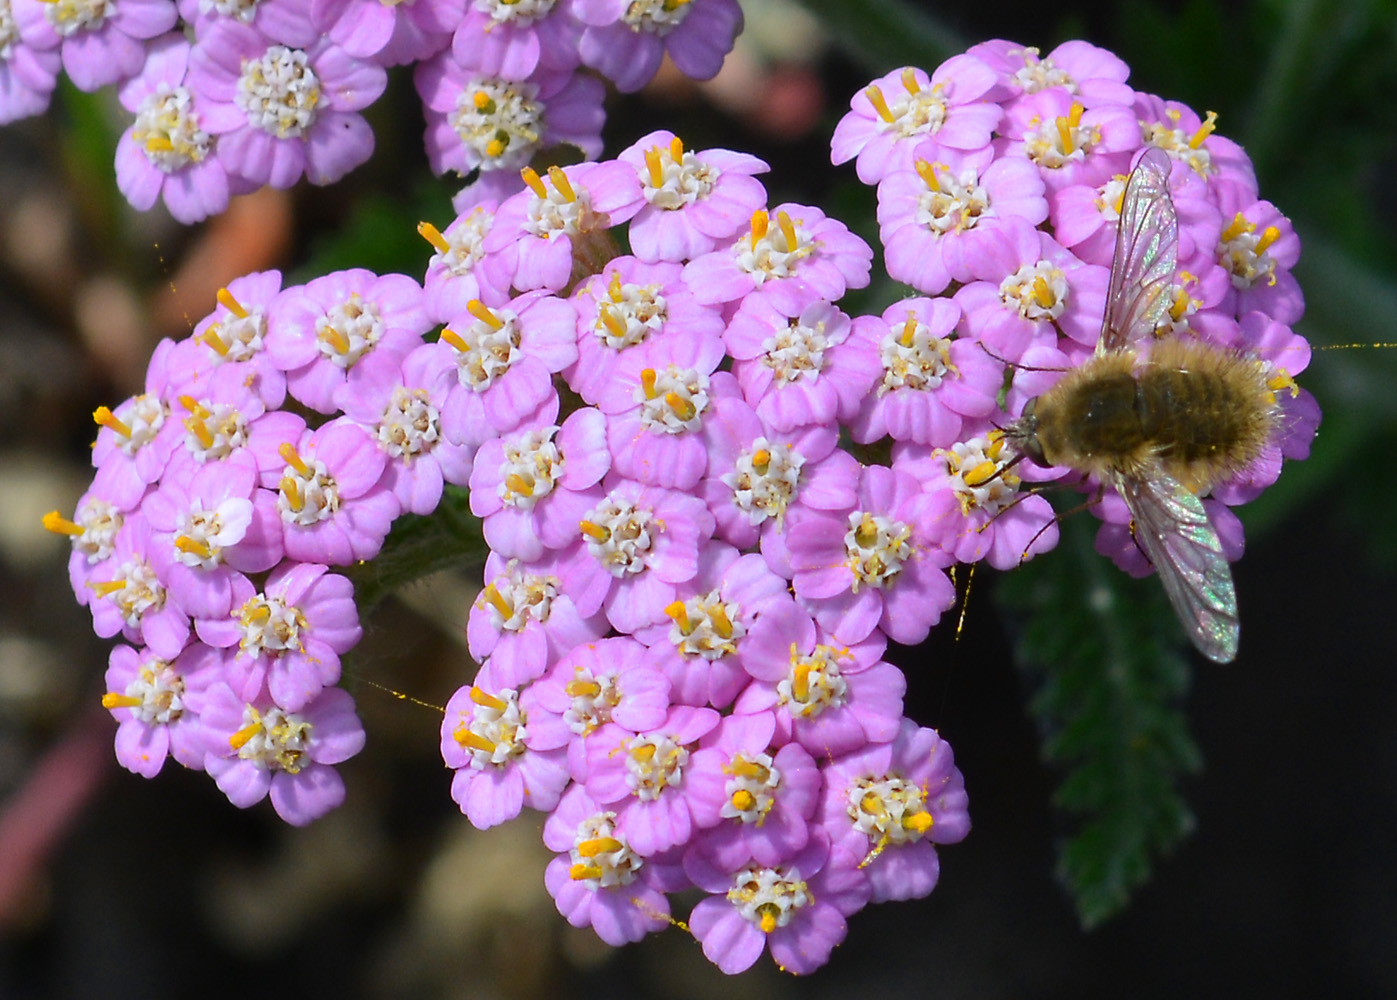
[
  {"x": 100, "y": 42},
  {"x": 625, "y": 40},
  {"x": 233, "y": 337},
  {"x": 512, "y": 40},
  {"x": 1078, "y": 68},
  {"x": 129, "y": 594},
  {"x": 155, "y": 702}
]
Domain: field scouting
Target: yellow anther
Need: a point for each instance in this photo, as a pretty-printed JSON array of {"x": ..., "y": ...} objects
[
  {"x": 996, "y": 448},
  {"x": 1279, "y": 380},
  {"x": 611, "y": 321},
  {"x": 483, "y": 313},
  {"x": 880, "y": 104},
  {"x": 768, "y": 919},
  {"x": 531, "y": 178},
  {"x": 599, "y": 845},
  {"x": 454, "y": 339},
  {"x": 60, "y": 525},
  {"x": 496, "y": 147},
  {"x": 1268, "y": 236},
  {"x": 483, "y": 102},
  {"x": 918, "y": 821},
  {"x": 683, "y": 409},
  {"x": 679, "y": 614},
  {"x": 226, "y": 300},
  {"x": 1204, "y": 130},
  {"x": 761, "y": 459},
  {"x": 287, "y": 451},
  {"x": 192, "y": 405},
  {"x": 335, "y": 339},
  {"x": 614, "y": 287},
  {"x": 647, "y": 382},
  {"x": 247, "y": 732},
  {"x": 909, "y": 80},
  {"x": 113, "y": 700},
  {"x": 867, "y": 531},
  {"x": 106, "y": 589},
  {"x": 579, "y": 872},
  {"x": 433, "y": 235},
  {"x": 676, "y": 146},
  {"x": 1042, "y": 293},
  {"x": 656, "y": 168},
  {"x": 909, "y": 329},
  {"x": 872, "y": 804},
  {"x": 159, "y": 144},
  {"x": 760, "y": 221},
  {"x": 788, "y": 230},
  {"x": 560, "y": 181},
  {"x": 741, "y": 767},
  {"x": 255, "y": 613},
  {"x": 578, "y": 688},
  {"x": 486, "y": 700},
  {"x": 193, "y": 546},
  {"x": 215, "y": 343},
  {"x": 200, "y": 430},
  {"x": 105, "y": 418},
  {"x": 595, "y": 531},
  {"x": 291, "y": 489},
  {"x": 472, "y": 741},
  {"x": 1074, "y": 115},
  {"x": 1240, "y": 224},
  {"x": 927, "y": 172},
  {"x": 1064, "y": 133},
  {"x": 491, "y": 595},
  {"x": 517, "y": 484},
  {"x": 722, "y": 624},
  {"x": 800, "y": 682},
  {"x": 743, "y": 800},
  {"x": 643, "y": 753}
]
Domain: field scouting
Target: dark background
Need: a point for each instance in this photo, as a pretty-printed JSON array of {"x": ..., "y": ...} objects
[{"x": 114, "y": 886}]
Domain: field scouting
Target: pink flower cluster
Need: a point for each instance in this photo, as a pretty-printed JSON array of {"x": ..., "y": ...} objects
[{"x": 231, "y": 95}]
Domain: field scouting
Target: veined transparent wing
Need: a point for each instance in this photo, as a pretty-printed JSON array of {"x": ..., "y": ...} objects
[
  {"x": 1173, "y": 529},
  {"x": 1147, "y": 248}
]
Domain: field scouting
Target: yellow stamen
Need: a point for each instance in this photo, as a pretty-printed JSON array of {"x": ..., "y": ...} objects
[
  {"x": 743, "y": 800},
  {"x": 1064, "y": 133},
  {"x": 676, "y": 146},
  {"x": 483, "y": 313},
  {"x": 683, "y": 409},
  {"x": 768, "y": 920},
  {"x": 595, "y": 531},
  {"x": 60, "y": 525},
  {"x": 880, "y": 104},
  {"x": 492, "y": 596},
  {"x": 1042, "y": 294},
  {"x": 516, "y": 483},
  {"x": 215, "y": 343},
  {"x": 1239, "y": 225},
  {"x": 927, "y": 172},
  {"x": 200, "y": 430},
  {"x": 486, "y": 700},
  {"x": 159, "y": 144},
  {"x": 614, "y": 288},
  {"x": 800, "y": 682},
  {"x": 1204, "y": 130},
  {"x": 678, "y": 614},
  {"x": 647, "y": 382},
  {"x": 247, "y": 732},
  {"x": 560, "y": 181},
  {"x": 292, "y": 491},
  {"x": 113, "y": 700},
  {"x": 335, "y": 339},
  {"x": 788, "y": 230},
  {"x": 582, "y": 689},
  {"x": 919, "y": 821},
  {"x": 909, "y": 80},
  {"x": 192, "y": 405},
  {"x": 1074, "y": 116},
  {"x": 495, "y": 147},
  {"x": 1281, "y": 380},
  {"x": 1268, "y": 236},
  {"x": 867, "y": 531},
  {"x": 743, "y": 768},
  {"x": 259, "y": 614},
  {"x": 872, "y": 804},
  {"x": 982, "y": 473},
  {"x": 579, "y": 872},
  {"x": 598, "y": 845},
  {"x": 454, "y": 339},
  {"x": 611, "y": 321},
  {"x": 105, "y": 418},
  {"x": 106, "y": 589},
  {"x": 643, "y": 754},
  {"x": 226, "y": 300},
  {"x": 652, "y": 163},
  {"x": 761, "y": 460},
  {"x": 473, "y": 741},
  {"x": 722, "y": 624},
  {"x": 760, "y": 221},
  {"x": 531, "y": 178},
  {"x": 483, "y": 101},
  {"x": 433, "y": 235},
  {"x": 193, "y": 546},
  {"x": 287, "y": 451}
]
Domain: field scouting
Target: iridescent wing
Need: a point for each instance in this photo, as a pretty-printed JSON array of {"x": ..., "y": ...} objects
[
  {"x": 1173, "y": 528},
  {"x": 1147, "y": 248}
]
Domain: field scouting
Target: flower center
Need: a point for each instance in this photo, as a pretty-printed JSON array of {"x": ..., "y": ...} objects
[
  {"x": 135, "y": 590},
  {"x": 767, "y": 252},
  {"x": 628, "y": 314},
  {"x": 914, "y": 111},
  {"x": 673, "y": 177},
  {"x": 348, "y": 331},
  {"x": 1038, "y": 291},
  {"x": 914, "y": 357},
  {"x": 618, "y": 535},
  {"x": 769, "y": 897},
  {"x": 815, "y": 683},
  {"x": 658, "y": 16},
  {"x": 204, "y": 534},
  {"x": 242, "y": 10},
  {"x": 654, "y": 763},
  {"x": 99, "y": 523},
  {"x": 488, "y": 347},
  {"x": 593, "y": 698},
  {"x": 9, "y": 31},
  {"x": 496, "y": 732},
  {"x": 751, "y": 788},
  {"x": 1063, "y": 140},
  {"x": 1242, "y": 250},
  {"x": 279, "y": 92},
  {"x": 308, "y": 494},
  {"x": 1179, "y": 144},
  {"x": 515, "y": 599},
  {"x": 562, "y": 211},
  {"x": 796, "y": 350},
  {"x": 499, "y": 120},
  {"x": 238, "y": 335},
  {"x": 705, "y": 626},
  {"x": 156, "y": 696},
  {"x": 167, "y": 129},
  {"x": 672, "y": 401},
  {"x": 410, "y": 424},
  {"x": 520, "y": 13},
  {"x": 462, "y": 246},
  {"x": 214, "y": 430},
  {"x": 1040, "y": 74},
  {"x": 877, "y": 548},
  {"x": 531, "y": 468},
  {"x": 600, "y": 855},
  {"x": 140, "y": 421},
  {"x": 268, "y": 626},
  {"x": 950, "y": 203},
  {"x": 888, "y": 809},
  {"x": 69, "y": 16},
  {"x": 977, "y": 476},
  {"x": 764, "y": 480},
  {"x": 274, "y": 740}
]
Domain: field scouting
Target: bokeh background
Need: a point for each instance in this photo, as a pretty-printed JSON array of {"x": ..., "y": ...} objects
[{"x": 112, "y": 886}]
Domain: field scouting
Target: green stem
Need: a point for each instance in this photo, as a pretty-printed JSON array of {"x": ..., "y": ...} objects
[{"x": 418, "y": 546}]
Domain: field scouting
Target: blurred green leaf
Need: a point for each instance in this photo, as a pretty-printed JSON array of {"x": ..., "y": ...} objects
[
  {"x": 418, "y": 546},
  {"x": 1102, "y": 654},
  {"x": 380, "y": 233},
  {"x": 883, "y": 36}
]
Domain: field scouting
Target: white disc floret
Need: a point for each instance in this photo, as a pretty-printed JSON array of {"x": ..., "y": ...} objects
[
  {"x": 673, "y": 176},
  {"x": 751, "y": 787},
  {"x": 706, "y": 626},
  {"x": 914, "y": 358},
  {"x": 889, "y": 809},
  {"x": 279, "y": 92},
  {"x": 167, "y": 129},
  {"x": 593, "y": 698},
  {"x": 500, "y": 121},
  {"x": 672, "y": 400},
  {"x": 814, "y": 683},
  {"x": 619, "y": 535},
  {"x": 274, "y": 740},
  {"x": 531, "y": 468},
  {"x": 769, "y": 897},
  {"x": 349, "y": 331},
  {"x": 515, "y": 598},
  {"x": 951, "y": 203},
  {"x": 496, "y": 731},
  {"x": 653, "y": 764},
  {"x": 976, "y": 469},
  {"x": 1036, "y": 291},
  {"x": 411, "y": 425},
  {"x": 877, "y": 547},
  {"x": 764, "y": 480},
  {"x": 769, "y": 252},
  {"x": 601, "y": 857},
  {"x": 268, "y": 626}
]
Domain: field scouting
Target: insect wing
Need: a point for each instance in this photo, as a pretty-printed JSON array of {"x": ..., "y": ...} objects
[
  {"x": 1147, "y": 249},
  {"x": 1173, "y": 528}
]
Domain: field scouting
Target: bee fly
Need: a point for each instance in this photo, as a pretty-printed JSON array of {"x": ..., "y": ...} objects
[{"x": 1158, "y": 421}]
